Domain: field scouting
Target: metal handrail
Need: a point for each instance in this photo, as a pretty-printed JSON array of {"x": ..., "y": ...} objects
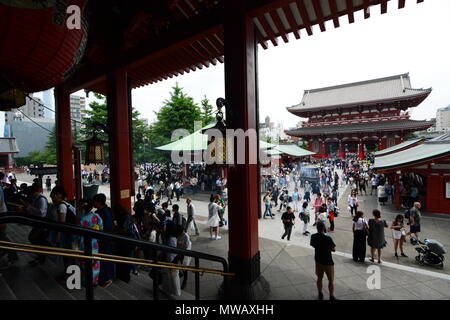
[
  {"x": 89, "y": 234},
  {"x": 11, "y": 246}
]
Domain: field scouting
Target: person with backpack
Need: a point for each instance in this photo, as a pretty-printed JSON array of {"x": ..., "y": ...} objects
[
  {"x": 37, "y": 205},
  {"x": 288, "y": 222},
  {"x": 305, "y": 217},
  {"x": 65, "y": 213},
  {"x": 177, "y": 217},
  {"x": 331, "y": 210},
  {"x": 296, "y": 199}
]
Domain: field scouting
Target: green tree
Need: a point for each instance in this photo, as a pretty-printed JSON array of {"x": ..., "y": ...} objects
[
  {"x": 207, "y": 112},
  {"x": 98, "y": 113},
  {"x": 178, "y": 112},
  {"x": 49, "y": 154}
]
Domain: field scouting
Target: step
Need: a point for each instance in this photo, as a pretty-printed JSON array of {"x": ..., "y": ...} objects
[
  {"x": 119, "y": 294},
  {"x": 22, "y": 285},
  {"x": 5, "y": 291},
  {"x": 47, "y": 283},
  {"x": 136, "y": 291}
]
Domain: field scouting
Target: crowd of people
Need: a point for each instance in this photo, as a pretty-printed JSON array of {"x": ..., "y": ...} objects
[{"x": 157, "y": 217}]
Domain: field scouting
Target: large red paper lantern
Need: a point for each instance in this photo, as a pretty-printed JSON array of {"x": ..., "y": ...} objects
[{"x": 37, "y": 49}]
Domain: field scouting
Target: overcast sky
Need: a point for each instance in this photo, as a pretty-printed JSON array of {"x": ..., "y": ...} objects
[{"x": 414, "y": 39}]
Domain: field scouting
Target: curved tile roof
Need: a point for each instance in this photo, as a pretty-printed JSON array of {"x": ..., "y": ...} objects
[
  {"x": 362, "y": 127},
  {"x": 389, "y": 88}
]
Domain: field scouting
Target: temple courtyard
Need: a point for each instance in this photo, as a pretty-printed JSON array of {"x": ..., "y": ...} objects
[{"x": 288, "y": 266}]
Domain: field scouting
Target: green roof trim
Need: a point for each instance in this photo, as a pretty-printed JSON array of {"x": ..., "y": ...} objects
[
  {"x": 415, "y": 155},
  {"x": 293, "y": 150},
  {"x": 198, "y": 141},
  {"x": 397, "y": 147}
]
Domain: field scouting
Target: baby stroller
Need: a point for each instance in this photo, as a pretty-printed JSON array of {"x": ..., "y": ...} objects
[{"x": 431, "y": 252}]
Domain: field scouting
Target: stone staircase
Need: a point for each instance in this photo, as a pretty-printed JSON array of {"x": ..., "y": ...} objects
[{"x": 22, "y": 282}]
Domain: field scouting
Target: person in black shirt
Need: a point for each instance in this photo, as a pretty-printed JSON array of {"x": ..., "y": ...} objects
[
  {"x": 138, "y": 209},
  {"x": 323, "y": 246},
  {"x": 288, "y": 221}
]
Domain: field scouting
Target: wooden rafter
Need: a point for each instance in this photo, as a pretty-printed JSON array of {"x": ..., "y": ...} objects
[
  {"x": 366, "y": 6},
  {"x": 401, "y": 4},
  {"x": 304, "y": 14},
  {"x": 319, "y": 15},
  {"x": 267, "y": 29},
  {"x": 334, "y": 13},
  {"x": 281, "y": 30},
  {"x": 350, "y": 12},
  {"x": 384, "y": 6},
  {"x": 291, "y": 20}
]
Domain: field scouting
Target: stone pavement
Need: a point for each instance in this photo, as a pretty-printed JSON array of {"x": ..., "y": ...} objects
[{"x": 289, "y": 266}]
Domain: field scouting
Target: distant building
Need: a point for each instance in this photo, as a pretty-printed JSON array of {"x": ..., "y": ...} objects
[
  {"x": 48, "y": 99},
  {"x": 78, "y": 110},
  {"x": 443, "y": 119},
  {"x": 31, "y": 109},
  {"x": 30, "y": 137}
]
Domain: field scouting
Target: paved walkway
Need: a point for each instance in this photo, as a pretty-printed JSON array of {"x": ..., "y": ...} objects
[{"x": 289, "y": 266}]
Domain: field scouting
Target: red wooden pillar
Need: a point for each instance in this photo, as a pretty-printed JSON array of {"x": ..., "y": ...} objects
[
  {"x": 64, "y": 142},
  {"x": 119, "y": 140},
  {"x": 243, "y": 179},
  {"x": 321, "y": 154},
  {"x": 341, "y": 150},
  {"x": 361, "y": 150}
]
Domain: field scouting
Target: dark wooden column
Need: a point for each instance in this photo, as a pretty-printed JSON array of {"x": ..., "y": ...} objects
[
  {"x": 243, "y": 179},
  {"x": 119, "y": 140},
  {"x": 64, "y": 142}
]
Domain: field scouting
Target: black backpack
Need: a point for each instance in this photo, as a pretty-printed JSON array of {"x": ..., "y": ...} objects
[
  {"x": 407, "y": 214},
  {"x": 71, "y": 215}
]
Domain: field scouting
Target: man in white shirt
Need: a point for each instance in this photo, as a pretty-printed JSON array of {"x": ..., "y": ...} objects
[{"x": 191, "y": 216}]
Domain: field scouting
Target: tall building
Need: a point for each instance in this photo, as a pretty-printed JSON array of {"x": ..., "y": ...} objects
[
  {"x": 48, "y": 98},
  {"x": 77, "y": 110},
  {"x": 31, "y": 109},
  {"x": 443, "y": 119},
  {"x": 369, "y": 115}
]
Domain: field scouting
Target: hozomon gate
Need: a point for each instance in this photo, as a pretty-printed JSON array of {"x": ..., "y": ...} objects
[
  {"x": 131, "y": 44},
  {"x": 351, "y": 118}
]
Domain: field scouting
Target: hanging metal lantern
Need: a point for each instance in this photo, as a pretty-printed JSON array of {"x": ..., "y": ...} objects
[
  {"x": 94, "y": 151},
  {"x": 217, "y": 146},
  {"x": 11, "y": 99}
]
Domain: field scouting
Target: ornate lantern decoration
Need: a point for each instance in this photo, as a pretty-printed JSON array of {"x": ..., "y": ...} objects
[
  {"x": 217, "y": 145},
  {"x": 94, "y": 147},
  {"x": 39, "y": 50},
  {"x": 94, "y": 151}
]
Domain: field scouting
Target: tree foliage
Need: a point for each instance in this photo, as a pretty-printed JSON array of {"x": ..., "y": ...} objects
[
  {"x": 207, "y": 112},
  {"x": 98, "y": 113},
  {"x": 178, "y": 112}
]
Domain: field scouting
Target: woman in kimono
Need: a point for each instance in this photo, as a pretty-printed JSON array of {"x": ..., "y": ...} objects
[{"x": 90, "y": 220}]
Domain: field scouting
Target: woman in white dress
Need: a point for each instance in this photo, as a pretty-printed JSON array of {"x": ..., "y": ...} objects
[{"x": 213, "y": 217}]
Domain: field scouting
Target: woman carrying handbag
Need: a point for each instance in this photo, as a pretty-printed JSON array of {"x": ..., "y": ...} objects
[{"x": 360, "y": 232}]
